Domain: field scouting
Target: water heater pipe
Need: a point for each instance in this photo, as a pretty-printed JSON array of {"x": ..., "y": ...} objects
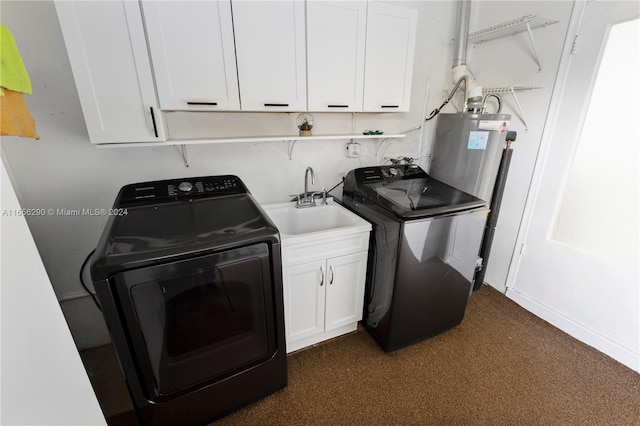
[
  {"x": 462, "y": 28},
  {"x": 473, "y": 90}
]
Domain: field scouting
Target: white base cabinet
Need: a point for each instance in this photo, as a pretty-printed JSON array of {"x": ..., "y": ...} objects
[{"x": 323, "y": 299}]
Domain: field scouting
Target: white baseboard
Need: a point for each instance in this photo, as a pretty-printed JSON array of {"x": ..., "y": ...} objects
[{"x": 620, "y": 353}]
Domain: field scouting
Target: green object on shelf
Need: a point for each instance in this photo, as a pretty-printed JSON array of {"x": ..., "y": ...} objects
[{"x": 372, "y": 132}]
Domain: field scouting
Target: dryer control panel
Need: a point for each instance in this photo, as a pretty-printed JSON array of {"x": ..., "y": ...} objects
[{"x": 170, "y": 190}]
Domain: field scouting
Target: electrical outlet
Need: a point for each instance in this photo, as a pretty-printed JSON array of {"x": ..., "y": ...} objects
[{"x": 353, "y": 150}]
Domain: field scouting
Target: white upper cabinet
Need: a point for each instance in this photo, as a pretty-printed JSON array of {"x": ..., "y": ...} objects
[
  {"x": 336, "y": 34},
  {"x": 108, "y": 55},
  {"x": 270, "y": 52},
  {"x": 391, "y": 39},
  {"x": 233, "y": 55},
  {"x": 192, "y": 50},
  {"x": 359, "y": 56}
]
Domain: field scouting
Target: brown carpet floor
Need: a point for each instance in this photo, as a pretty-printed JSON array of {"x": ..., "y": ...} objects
[{"x": 501, "y": 366}]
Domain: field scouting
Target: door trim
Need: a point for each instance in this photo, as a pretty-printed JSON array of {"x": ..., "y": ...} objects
[{"x": 575, "y": 25}]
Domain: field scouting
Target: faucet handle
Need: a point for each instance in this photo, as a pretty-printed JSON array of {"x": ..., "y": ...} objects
[
  {"x": 322, "y": 193},
  {"x": 297, "y": 197}
]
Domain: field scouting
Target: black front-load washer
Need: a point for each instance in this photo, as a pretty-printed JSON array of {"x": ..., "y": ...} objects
[
  {"x": 188, "y": 276},
  {"x": 423, "y": 251}
]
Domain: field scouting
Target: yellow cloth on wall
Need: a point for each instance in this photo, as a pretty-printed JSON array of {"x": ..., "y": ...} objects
[
  {"x": 13, "y": 74},
  {"x": 15, "y": 119}
]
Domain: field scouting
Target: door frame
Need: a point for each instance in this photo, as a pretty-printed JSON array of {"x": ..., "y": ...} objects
[{"x": 566, "y": 59}]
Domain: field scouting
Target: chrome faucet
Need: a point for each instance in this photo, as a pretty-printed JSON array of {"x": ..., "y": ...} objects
[{"x": 308, "y": 199}]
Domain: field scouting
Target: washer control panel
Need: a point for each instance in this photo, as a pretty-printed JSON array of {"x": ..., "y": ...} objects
[
  {"x": 389, "y": 173},
  {"x": 165, "y": 191}
]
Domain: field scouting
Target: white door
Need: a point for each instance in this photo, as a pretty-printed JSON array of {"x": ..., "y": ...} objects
[
  {"x": 304, "y": 299},
  {"x": 345, "y": 290},
  {"x": 391, "y": 41},
  {"x": 193, "y": 54},
  {"x": 270, "y": 52},
  {"x": 335, "y": 55},
  {"x": 108, "y": 55},
  {"x": 579, "y": 263}
]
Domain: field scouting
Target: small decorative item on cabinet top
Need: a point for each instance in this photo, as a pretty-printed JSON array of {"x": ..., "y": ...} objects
[{"x": 305, "y": 123}]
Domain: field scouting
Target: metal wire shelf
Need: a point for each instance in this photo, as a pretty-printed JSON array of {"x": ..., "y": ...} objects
[
  {"x": 517, "y": 26},
  {"x": 507, "y": 89},
  {"x": 527, "y": 23}
]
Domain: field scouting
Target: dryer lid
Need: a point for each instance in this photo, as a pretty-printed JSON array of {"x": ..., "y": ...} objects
[
  {"x": 184, "y": 223},
  {"x": 153, "y": 222}
]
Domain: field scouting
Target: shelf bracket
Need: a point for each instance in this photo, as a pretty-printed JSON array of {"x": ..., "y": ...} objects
[
  {"x": 524, "y": 120},
  {"x": 380, "y": 144},
  {"x": 290, "y": 145},
  {"x": 185, "y": 155},
  {"x": 533, "y": 44},
  {"x": 512, "y": 89}
]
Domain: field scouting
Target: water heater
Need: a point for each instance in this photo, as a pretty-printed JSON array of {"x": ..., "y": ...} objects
[{"x": 467, "y": 149}]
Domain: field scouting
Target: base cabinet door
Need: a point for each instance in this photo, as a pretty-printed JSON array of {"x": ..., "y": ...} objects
[
  {"x": 304, "y": 300},
  {"x": 345, "y": 290},
  {"x": 108, "y": 55},
  {"x": 323, "y": 299}
]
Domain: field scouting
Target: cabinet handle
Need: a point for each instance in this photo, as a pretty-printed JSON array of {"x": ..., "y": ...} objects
[
  {"x": 203, "y": 103},
  {"x": 276, "y": 105},
  {"x": 321, "y": 276},
  {"x": 337, "y": 106},
  {"x": 153, "y": 120},
  {"x": 389, "y": 106},
  {"x": 331, "y": 274}
]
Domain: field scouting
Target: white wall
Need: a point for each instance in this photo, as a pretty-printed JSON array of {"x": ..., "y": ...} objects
[
  {"x": 63, "y": 170},
  {"x": 43, "y": 379}
]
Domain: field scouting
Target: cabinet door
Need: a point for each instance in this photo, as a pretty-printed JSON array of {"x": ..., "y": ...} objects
[
  {"x": 270, "y": 51},
  {"x": 335, "y": 55},
  {"x": 304, "y": 299},
  {"x": 108, "y": 55},
  {"x": 345, "y": 290},
  {"x": 391, "y": 38},
  {"x": 192, "y": 51}
]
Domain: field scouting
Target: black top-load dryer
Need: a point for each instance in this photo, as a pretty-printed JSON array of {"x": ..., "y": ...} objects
[
  {"x": 188, "y": 275},
  {"x": 423, "y": 251}
]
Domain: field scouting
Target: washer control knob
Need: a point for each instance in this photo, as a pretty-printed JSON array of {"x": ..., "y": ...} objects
[
  {"x": 185, "y": 186},
  {"x": 393, "y": 171}
]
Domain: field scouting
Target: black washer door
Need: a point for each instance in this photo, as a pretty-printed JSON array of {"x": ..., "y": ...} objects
[{"x": 201, "y": 319}]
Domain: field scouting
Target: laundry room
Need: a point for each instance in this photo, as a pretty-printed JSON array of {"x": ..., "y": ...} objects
[{"x": 170, "y": 165}]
